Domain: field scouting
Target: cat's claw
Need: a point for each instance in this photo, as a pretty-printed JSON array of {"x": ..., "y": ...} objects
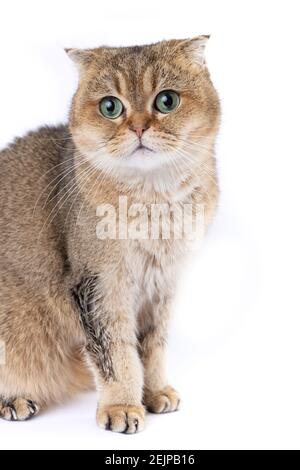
[{"x": 18, "y": 409}]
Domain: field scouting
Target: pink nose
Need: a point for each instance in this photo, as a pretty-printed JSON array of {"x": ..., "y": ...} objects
[{"x": 139, "y": 130}]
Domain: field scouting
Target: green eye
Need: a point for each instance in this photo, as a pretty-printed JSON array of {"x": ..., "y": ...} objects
[
  {"x": 166, "y": 101},
  {"x": 111, "y": 107}
]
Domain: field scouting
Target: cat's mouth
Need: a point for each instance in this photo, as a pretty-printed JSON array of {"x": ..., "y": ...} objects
[{"x": 142, "y": 148}]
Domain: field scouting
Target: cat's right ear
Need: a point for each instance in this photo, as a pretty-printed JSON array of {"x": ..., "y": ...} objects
[
  {"x": 194, "y": 48},
  {"x": 81, "y": 57}
]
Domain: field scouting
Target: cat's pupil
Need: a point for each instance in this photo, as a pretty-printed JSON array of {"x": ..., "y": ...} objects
[
  {"x": 110, "y": 106},
  {"x": 167, "y": 100}
]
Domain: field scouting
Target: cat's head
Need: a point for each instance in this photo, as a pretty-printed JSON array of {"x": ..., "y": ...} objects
[{"x": 141, "y": 110}]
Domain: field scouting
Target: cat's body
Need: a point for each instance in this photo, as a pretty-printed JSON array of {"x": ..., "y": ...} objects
[{"x": 73, "y": 305}]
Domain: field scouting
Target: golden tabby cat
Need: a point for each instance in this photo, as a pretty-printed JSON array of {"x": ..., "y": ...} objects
[{"x": 78, "y": 308}]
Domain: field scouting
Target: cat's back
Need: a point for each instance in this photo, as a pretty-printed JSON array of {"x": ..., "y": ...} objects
[
  {"x": 26, "y": 160},
  {"x": 29, "y": 170}
]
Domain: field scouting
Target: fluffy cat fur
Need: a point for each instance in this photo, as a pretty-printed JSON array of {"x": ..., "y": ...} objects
[{"x": 76, "y": 310}]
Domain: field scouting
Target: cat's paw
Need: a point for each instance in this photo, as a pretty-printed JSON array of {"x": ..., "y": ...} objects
[
  {"x": 121, "y": 418},
  {"x": 18, "y": 409},
  {"x": 164, "y": 401}
]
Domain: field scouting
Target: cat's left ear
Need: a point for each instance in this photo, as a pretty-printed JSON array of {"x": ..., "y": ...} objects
[
  {"x": 195, "y": 48},
  {"x": 81, "y": 57}
]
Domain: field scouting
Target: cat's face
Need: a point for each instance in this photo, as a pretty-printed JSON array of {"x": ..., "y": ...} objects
[{"x": 140, "y": 109}]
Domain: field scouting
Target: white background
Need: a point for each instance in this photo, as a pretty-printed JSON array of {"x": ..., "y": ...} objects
[{"x": 234, "y": 347}]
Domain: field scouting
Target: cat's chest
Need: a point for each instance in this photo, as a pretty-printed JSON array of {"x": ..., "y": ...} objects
[{"x": 153, "y": 264}]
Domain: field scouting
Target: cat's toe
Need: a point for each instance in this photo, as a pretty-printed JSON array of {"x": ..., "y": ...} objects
[
  {"x": 18, "y": 409},
  {"x": 163, "y": 401},
  {"x": 121, "y": 418}
]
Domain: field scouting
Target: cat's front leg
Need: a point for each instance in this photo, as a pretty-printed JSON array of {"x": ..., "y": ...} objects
[
  {"x": 111, "y": 348},
  {"x": 159, "y": 396}
]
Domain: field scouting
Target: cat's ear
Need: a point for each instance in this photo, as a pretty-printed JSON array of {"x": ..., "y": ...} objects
[
  {"x": 194, "y": 48},
  {"x": 81, "y": 57}
]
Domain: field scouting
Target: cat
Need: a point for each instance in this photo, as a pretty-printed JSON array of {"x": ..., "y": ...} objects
[{"x": 77, "y": 310}]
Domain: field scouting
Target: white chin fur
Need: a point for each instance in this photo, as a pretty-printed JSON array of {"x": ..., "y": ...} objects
[
  {"x": 152, "y": 169},
  {"x": 141, "y": 160}
]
